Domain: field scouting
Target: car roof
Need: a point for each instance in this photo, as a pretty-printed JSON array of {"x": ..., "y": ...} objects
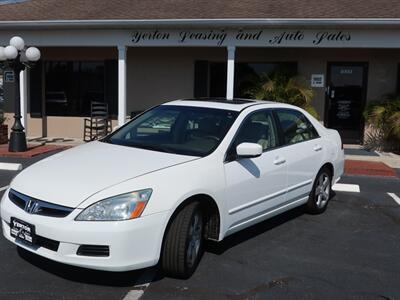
[{"x": 236, "y": 104}]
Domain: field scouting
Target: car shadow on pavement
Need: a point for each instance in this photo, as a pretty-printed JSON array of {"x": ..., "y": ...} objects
[
  {"x": 82, "y": 275},
  {"x": 253, "y": 231},
  {"x": 148, "y": 275}
]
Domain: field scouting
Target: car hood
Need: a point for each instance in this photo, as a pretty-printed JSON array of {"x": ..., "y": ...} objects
[{"x": 70, "y": 177}]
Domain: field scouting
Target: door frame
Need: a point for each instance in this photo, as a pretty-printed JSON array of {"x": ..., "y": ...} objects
[{"x": 365, "y": 66}]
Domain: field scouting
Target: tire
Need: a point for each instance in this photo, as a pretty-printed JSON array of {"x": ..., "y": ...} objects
[
  {"x": 320, "y": 193},
  {"x": 184, "y": 242}
]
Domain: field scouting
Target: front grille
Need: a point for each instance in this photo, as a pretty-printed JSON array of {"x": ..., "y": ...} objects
[
  {"x": 38, "y": 207},
  {"x": 93, "y": 250}
]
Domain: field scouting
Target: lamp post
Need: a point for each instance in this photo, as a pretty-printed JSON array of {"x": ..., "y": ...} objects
[{"x": 17, "y": 57}]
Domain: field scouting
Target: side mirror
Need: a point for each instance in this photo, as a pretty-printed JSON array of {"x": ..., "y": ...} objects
[{"x": 248, "y": 150}]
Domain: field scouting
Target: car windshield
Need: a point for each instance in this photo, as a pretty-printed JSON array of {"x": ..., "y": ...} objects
[{"x": 195, "y": 131}]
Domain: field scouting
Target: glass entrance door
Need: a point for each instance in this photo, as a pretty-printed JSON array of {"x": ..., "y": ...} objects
[{"x": 345, "y": 99}]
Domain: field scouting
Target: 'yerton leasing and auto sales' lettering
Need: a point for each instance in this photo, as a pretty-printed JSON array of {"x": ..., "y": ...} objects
[{"x": 223, "y": 37}]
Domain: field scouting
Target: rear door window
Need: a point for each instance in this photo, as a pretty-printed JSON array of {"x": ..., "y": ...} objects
[{"x": 295, "y": 126}]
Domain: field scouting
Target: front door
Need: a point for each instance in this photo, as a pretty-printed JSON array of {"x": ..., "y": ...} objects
[
  {"x": 255, "y": 186},
  {"x": 345, "y": 99}
]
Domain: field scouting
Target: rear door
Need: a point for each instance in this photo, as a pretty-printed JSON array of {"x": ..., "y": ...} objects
[
  {"x": 303, "y": 150},
  {"x": 254, "y": 186}
]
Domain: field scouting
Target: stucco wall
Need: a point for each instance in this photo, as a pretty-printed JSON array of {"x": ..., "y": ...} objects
[{"x": 156, "y": 75}]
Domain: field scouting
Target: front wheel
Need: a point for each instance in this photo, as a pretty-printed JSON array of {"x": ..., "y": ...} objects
[
  {"x": 320, "y": 193},
  {"x": 183, "y": 244}
]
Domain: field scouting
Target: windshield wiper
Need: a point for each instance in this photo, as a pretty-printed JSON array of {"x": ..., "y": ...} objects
[
  {"x": 152, "y": 147},
  {"x": 106, "y": 140}
]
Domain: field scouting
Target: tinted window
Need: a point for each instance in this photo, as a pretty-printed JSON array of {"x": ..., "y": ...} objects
[
  {"x": 246, "y": 74},
  {"x": 295, "y": 126},
  {"x": 258, "y": 128},
  {"x": 70, "y": 86},
  {"x": 183, "y": 130}
]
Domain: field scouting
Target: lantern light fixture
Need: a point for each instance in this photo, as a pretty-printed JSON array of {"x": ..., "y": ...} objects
[
  {"x": 17, "y": 42},
  {"x": 11, "y": 52},
  {"x": 32, "y": 54},
  {"x": 17, "y": 57}
]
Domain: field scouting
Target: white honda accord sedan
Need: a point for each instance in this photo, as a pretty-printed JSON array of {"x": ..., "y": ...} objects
[{"x": 180, "y": 173}]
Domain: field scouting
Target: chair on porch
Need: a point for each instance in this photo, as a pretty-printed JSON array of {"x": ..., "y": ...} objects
[{"x": 99, "y": 123}]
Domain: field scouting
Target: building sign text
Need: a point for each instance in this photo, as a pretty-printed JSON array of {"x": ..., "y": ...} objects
[{"x": 215, "y": 37}]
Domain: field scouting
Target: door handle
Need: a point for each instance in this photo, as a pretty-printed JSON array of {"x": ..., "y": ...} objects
[
  {"x": 279, "y": 160},
  {"x": 317, "y": 148}
]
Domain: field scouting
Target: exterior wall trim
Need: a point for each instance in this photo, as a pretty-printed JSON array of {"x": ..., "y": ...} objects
[
  {"x": 202, "y": 22},
  {"x": 210, "y": 37}
]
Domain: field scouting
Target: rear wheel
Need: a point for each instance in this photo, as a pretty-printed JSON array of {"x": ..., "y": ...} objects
[
  {"x": 183, "y": 244},
  {"x": 320, "y": 193}
]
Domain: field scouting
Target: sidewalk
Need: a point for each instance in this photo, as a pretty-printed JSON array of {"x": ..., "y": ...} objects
[
  {"x": 58, "y": 141},
  {"x": 357, "y": 152},
  {"x": 41, "y": 145},
  {"x": 370, "y": 163},
  {"x": 33, "y": 150}
]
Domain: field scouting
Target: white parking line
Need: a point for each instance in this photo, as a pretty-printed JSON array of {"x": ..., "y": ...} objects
[
  {"x": 4, "y": 188},
  {"x": 144, "y": 281},
  {"x": 134, "y": 295},
  {"x": 344, "y": 187},
  {"x": 395, "y": 197},
  {"x": 10, "y": 166}
]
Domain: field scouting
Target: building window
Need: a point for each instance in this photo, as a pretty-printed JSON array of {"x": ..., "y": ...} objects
[
  {"x": 246, "y": 73},
  {"x": 71, "y": 86}
]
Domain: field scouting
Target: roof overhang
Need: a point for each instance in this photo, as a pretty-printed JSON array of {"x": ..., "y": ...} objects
[{"x": 210, "y": 23}]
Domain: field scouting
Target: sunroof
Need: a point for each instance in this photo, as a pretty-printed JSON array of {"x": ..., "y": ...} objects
[{"x": 222, "y": 100}]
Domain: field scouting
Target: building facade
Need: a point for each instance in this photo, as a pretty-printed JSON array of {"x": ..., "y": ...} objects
[{"x": 139, "y": 54}]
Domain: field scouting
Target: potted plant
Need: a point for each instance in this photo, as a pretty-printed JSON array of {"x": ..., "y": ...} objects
[
  {"x": 383, "y": 119},
  {"x": 3, "y": 129},
  {"x": 282, "y": 87}
]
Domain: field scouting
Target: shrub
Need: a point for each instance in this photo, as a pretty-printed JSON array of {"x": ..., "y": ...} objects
[
  {"x": 383, "y": 117},
  {"x": 282, "y": 87}
]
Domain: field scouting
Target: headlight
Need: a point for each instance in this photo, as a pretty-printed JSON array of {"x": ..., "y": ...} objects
[{"x": 122, "y": 207}]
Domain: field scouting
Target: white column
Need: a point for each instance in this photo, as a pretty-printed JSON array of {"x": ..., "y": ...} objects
[
  {"x": 230, "y": 74},
  {"x": 121, "y": 85},
  {"x": 23, "y": 91}
]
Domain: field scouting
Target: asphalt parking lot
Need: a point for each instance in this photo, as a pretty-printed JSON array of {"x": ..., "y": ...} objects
[{"x": 349, "y": 252}]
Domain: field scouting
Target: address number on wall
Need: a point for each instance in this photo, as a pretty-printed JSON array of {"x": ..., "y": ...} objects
[{"x": 317, "y": 80}]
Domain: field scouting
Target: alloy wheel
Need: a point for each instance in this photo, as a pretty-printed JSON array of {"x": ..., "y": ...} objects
[
  {"x": 194, "y": 239},
  {"x": 322, "y": 191}
]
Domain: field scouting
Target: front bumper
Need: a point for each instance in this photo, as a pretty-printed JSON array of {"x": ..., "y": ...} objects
[{"x": 133, "y": 244}]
